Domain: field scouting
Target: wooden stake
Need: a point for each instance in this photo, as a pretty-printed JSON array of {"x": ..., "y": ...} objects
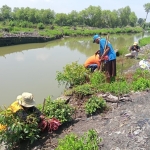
[{"x": 43, "y": 105}]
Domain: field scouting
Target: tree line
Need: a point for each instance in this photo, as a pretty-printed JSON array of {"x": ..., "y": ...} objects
[{"x": 92, "y": 16}]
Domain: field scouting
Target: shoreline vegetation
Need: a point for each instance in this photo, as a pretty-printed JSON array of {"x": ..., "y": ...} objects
[
  {"x": 38, "y": 36},
  {"x": 45, "y": 24},
  {"x": 14, "y": 36}
]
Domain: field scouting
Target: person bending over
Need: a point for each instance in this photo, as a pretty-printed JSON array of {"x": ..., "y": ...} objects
[
  {"x": 92, "y": 63},
  {"x": 108, "y": 57}
]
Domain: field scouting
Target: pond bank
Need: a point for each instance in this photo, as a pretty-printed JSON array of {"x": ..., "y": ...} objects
[{"x": 24, "y": 38}]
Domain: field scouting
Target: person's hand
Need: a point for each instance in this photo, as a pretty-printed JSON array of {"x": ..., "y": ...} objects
[
  {"x": 105, "y": 57},
  {"x": 42, "y": 117}
]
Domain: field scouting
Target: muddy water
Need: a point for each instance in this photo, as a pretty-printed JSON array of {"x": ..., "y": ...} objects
[{"x": 32, "y": 67}]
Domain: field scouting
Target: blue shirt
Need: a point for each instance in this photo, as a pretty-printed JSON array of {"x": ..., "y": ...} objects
[{"x": 111, "y": 53}]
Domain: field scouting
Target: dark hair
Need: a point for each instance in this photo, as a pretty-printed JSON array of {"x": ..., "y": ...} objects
[
  {"x": 117, "y": 54},
  {"x": 97, "y": 52}
]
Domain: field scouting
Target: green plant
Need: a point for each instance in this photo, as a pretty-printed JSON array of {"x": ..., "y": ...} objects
[
  {"x": 40, "y": 26},
  {"x": 12, "y": 23},
  {"x": 144, "y": 41},
  {"x": 83, "y": 90},
  {"x": 88, "y": 141},
  {"x": 95, "y": 103},
  {"x": 17, "y": 129},
  {"x": 73, "y": 74},
  {"x": 68, "y": 92},
  {"x": 141, "y": 73},
  {"x": 57, "y": 109},
  {"x": 117, "y": 88},
  {"x": 97, "y": 78},
  {"x": 140, "y": 84}
]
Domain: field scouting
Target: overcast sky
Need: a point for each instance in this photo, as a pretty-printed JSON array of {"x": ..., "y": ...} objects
[{"x": 66, "y": 6}]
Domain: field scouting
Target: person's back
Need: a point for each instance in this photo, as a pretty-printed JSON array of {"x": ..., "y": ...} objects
[
  {"x": 92, "y": 62},
  {"x": 111, "y": 53},
  {"x": 94, "y": 59}
]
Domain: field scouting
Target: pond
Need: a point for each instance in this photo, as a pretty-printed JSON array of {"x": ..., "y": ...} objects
[{"x": 33, "y": 67}]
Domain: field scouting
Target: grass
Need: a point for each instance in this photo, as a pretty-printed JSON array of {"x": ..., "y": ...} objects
[{"x": 125, "y": 63}]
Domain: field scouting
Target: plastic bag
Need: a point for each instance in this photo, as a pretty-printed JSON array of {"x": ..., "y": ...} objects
[{"x": 144, "y": 64}]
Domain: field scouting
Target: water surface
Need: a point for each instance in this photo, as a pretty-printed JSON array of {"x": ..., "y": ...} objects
[{"x": 32, "y": 67}]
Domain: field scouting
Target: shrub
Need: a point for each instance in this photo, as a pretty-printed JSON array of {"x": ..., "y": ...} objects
[
  {"x": 12, "y": 23},
  {"x": 140, "y": 84},
  {"x": 40, "y": 26},
  {"x": 17, "y": 129},
  {"x": 97, "y": 78},
  {"x": 120, "y": 87},
  {"x": 88, "y": 141},
  {"x": 94, "y": 104},
  {"x": 141, "y": 73},
  {"x": 57, "y": 109},
  {"x": 73, "y": 74},
  {"x": 83, "y": 90}
]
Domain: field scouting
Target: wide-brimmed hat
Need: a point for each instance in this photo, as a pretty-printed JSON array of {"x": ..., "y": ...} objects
[
  {"x": 26, "y": 99},
  {"x": 95, "y": 37},
  {"x": 135, "y": 43}
]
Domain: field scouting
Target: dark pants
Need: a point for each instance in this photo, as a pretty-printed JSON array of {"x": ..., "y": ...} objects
[
  {"x": 110, "y": 68},
  {"x": 92, "y": 67}
]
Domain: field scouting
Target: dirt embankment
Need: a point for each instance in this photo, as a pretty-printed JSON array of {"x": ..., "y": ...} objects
[{"x": 24, "y": 37}]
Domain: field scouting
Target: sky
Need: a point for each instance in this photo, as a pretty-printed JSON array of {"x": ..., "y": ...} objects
[{"x": 66, "y": 6}]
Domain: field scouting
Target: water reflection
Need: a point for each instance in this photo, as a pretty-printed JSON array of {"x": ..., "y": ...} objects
[{"x": 32, "y": 67}]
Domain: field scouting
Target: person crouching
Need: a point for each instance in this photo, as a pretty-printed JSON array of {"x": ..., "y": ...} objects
[{"x": 92, "y": 63}]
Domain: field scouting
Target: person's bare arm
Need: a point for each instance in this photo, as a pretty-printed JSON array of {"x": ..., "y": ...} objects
[
  {"x": 136, "y": 48},
  {"x": 105, "y": 52}
]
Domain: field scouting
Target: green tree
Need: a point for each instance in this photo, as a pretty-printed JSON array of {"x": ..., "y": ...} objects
[
  {"x": 114, "y": 19},
  {"x": 91, "y": 16},
  {"x": 30, "y": 13},
  {"x": 140, "y": 21},
  {"x": 19, "y": 14},
  {"x": 147, "y": 9},
  {"x": 106, "y": 18},
  {"x": 132, "y": 19},
  {"x": 124, "y": 14},
  {"x": 14, "y": 13},
  {"x": 5, "y": 12},
  {"x": 47, "y": 16},
  {"x": 81, "y": 20},
  {"x": 72, "y": 18},
  {"x": 61, "y": 19},
  {"x": 97, "y": 17}
]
